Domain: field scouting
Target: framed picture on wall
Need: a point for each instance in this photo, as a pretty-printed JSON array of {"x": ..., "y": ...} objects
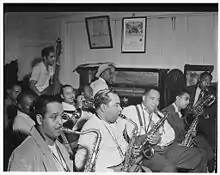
[
  {"x": 133, "y": 35},
  {"x": 99, "y": 32},
  {"x": 192, "y": 72}
]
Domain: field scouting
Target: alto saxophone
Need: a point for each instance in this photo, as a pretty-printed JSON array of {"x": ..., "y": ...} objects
[
  {"x": 90, "y": 164},
  {"x": 129, "y": 159},
  {"x": 197, "y": 110}
]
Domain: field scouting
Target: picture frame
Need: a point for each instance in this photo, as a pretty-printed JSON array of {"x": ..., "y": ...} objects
[
  {"x": 99, "y": 32},
  {"x": 133, "y": 35},
  {"x": 192, "y": 73}
]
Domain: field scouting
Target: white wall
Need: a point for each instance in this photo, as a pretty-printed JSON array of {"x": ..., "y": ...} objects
[
  {"x": 193, "y": 41},
  {"x": 25, "y": 35}
]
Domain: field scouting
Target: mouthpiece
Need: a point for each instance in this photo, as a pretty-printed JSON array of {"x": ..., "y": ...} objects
[{"x": 67, "y": 130}]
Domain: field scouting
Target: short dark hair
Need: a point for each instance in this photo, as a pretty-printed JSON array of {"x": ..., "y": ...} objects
[
  {"x": 24, "y": 94},
  {"x": 46, "y": 51},
  {"x": 204, "y": 74},
  {"x": 40, "y": 105},
  {"x": 102, "y": 97},
  {"x": 149, "y": 88},
  {"x": 64, "y": 86},
  {"x": 182, "y": 91},
  {"x": 11, "y": 86}
]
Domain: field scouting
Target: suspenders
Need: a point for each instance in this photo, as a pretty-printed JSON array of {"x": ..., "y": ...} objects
[
  {"x": 140, "y": 120},
  {"x": 139, "y": 116}
]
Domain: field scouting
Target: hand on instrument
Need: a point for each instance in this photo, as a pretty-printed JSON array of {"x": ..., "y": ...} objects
[
  {"x": 154, "y": 138},
  {"x": 136, "y": 151},
  {"x": 80, "y": 99}
]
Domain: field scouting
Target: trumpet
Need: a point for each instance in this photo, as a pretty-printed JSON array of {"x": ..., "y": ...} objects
[{"x": 74, "y": 114}]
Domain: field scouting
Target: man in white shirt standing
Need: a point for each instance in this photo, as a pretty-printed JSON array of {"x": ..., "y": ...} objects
[
  {"x": 42, "y": 73},
  {"x": 168, "y": 156},
  {"x": 113, "y": 145},
  {"x": 105, "y": 75}
]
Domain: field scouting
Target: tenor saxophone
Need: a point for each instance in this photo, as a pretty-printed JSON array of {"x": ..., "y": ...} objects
[
  {"x": 90, "y": 164},
  {"x": 148, "y": 150}
]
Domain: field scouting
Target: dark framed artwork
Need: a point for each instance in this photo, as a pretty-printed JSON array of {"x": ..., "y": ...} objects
[
  {"x": 99, "y": 32},
  {"x": 192, "y": 72},
  {"x": 133, "y": 35}
]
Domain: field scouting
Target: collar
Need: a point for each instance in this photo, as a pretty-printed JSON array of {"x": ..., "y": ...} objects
[
  {"x": 102, "y": 79},
  {"x": 24, "y": 115},
  {"x": 39, "y": 140},
  {"x": 144, "y": 109},
  {"x": 177, "y": 110},
  {"x": 68, "y": 107}
]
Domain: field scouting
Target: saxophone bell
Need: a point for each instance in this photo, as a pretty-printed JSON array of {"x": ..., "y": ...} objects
[{"x": 90, "y": 164}]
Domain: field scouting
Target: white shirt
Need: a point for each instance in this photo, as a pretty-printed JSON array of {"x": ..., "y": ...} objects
[
  {"x": 41, "y": 75},
  {"x": 198, "y": 90},
  {"x": 176, "y": 110},
  {"x": 23, "y": 123},
  {"x": 58, "y": 160},
  {"x": 166, "y": 131},
  {"x": 109, "y": 153},
  {"x": 98, "y": 85}
]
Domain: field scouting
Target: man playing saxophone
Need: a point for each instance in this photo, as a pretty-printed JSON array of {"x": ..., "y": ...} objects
[
  {"x": 168, "y": 156},
  {"x": 113, "y": 146},
  {"x": 41, "y": 151},
  {"x": 176, "y": 120}
]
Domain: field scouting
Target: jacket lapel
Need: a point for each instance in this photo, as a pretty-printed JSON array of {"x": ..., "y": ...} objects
[{"x": 46, "y": 155}]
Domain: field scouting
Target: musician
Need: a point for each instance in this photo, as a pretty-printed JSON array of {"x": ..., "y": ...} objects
[
  {"x": 23, "y": 121},
  {"x": 84, "y": 93},
  {"x": 113, "y": 145},
  {"x": 41, "y": 151},
  {"x": 105, "y": 76},
  {"x": 176, "y": 120},
  {"x": 168, "y": 155},
  {"x": 207, "y": 125},
  {"x": 10, "y": 111},
  {"x": 68, "y": 95},
  {"x": 10, "y": 104},
  {"x": 42, "y": 73}
]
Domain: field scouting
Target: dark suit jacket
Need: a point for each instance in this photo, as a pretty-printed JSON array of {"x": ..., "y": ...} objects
[
  {"x": 206, "y": 127},
  {"x": 176, "y": 122}
]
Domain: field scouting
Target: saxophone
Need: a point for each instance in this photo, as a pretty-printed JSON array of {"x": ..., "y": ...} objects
[
  {"x": 90, "y": 164},
  {"x": 129, "y": 159},
  {"x": 148, "y": 150},
  {"x": 197, "y": 110}
]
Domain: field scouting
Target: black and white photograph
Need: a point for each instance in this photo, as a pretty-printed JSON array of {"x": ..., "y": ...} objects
[{"x": 111, "y": 87}]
